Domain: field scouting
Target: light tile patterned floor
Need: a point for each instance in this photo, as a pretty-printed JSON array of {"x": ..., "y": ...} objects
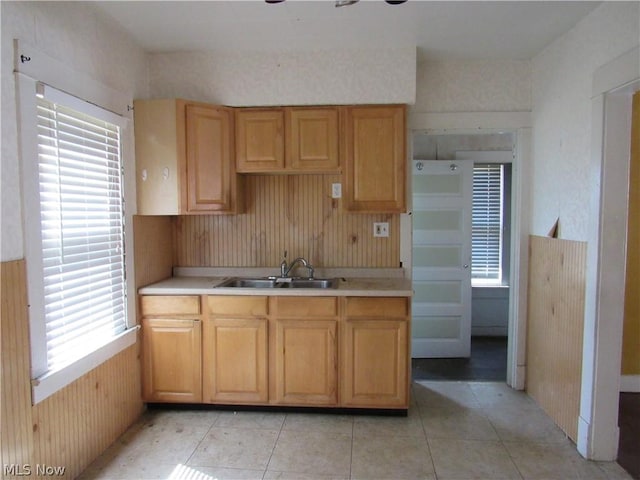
[{"x": 454, "y": 430}]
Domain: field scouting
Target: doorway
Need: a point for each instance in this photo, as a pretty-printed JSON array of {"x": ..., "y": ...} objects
[{"x": 444, "y": 347}]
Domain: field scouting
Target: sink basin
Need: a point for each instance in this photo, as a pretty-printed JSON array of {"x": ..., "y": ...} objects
[
  {"x": 311, "y": 283},
  {"x": 275, "y": 283},
  {"x": 249, "y": 283}
]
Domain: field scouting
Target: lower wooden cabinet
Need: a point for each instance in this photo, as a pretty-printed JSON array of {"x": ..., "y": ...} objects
[
  {"x": 235, "y": 350},
  {"x": 305, "y": 362},
  {"x": 375, "y": 352},
  {"x": 258, "y": 350},
  {"x": 304, "y": 351},
  {"x": 171, "y": 360}
]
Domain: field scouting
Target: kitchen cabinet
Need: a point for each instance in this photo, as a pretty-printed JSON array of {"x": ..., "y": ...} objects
[
  {"x": 287, "y": 140},
  {"x": 301, "y": 350},
  {"x": 259, "y": 140},
  {"x": 375, "y": 159},
  {"x": 375, "y": 352},
  {"x": 185, "y": 158},
  {"x": 304, "y": 351},
  {"x": 312, "y": 139},
  {"x": 171, "y": 349},
  {"x": 235, "y": 350}
]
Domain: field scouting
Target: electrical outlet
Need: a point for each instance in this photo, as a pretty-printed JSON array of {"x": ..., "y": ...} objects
[
  {"x": 380, "y": 229},
  {"x": 336, "y": 190}
]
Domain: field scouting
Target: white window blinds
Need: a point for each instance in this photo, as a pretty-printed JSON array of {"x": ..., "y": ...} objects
[
  {"x": 81, "y": 207},
  {"x": 486, "y": 232}
]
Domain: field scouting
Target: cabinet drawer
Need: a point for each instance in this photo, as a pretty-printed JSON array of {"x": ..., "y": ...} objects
[
  {"x": 170, "y": 305},
  {"x": 377, "y": 307},
  {"x": 238, "y": 305},
  {"x": 306, "y": 306}
]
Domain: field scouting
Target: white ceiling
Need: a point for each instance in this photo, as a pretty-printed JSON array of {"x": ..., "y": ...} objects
[{"x": 440, "y": 29}]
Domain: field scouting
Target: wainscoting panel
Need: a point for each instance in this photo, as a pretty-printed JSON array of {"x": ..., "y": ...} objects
[
  {"x": 554, "y": 328},
  {"x": 76, "y": 424},
  {"x": 287, "y": 212},
  {"x": 73, "y": 426},
  {"x": 16, "y": 421}
]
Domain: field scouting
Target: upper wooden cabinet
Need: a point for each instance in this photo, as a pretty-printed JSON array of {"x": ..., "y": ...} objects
[
  {"x": 312, "y": 139},
  {"x": 287, "y": 140},
  {"x": 259, "y": 140},
  {"x": 375, "y": 159},
  {"x": 185, "y": 158}
]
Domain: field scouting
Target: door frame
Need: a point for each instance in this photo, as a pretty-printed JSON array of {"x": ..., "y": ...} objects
[
  {"x": 519, "y": 125},
  {"x": 613, "y": 86}
]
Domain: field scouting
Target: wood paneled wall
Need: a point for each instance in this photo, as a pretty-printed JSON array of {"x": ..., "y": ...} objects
[
  {"x": 17, "y": 419},
  {"x": 555, "y": 325},
  {"x": 73, "y": 426},
  {"x": 287, "y": 212},
  {"x": 631, "y": 335},
  {"x": 153, "y": 249}
]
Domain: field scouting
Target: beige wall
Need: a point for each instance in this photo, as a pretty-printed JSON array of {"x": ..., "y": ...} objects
[
  {"x": 473, "y": 86},
  {"x": 562, "y": 76},
  {"x": 73, "y": 34},
  {"x": 338, "y": 76}
]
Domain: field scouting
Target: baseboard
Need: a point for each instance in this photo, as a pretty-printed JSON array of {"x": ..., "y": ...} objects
[{"x": 630, "y": 383}]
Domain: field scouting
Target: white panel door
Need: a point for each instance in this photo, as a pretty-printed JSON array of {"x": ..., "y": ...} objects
[{"x": 442, "y": 202}]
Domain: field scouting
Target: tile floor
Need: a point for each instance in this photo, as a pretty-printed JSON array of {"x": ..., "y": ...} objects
[{"x": 454, "y": 430}]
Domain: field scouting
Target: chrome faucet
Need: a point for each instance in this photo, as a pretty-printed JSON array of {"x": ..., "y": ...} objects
[{"x": 286, "y": 269}]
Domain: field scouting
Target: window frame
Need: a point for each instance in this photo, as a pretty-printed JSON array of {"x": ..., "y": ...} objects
[
  {"x": 70, "y": 84},
  {"x": 506, "y": 158},
  {"x": 488, "y": 281}
]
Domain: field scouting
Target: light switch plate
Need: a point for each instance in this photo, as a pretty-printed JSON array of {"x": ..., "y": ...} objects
[
  {"x": 381, "y": 229},
  {"x": 336, "y": 190}
]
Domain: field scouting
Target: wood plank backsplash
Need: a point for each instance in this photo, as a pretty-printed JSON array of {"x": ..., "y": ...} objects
[
  {"x": 287, "y": 212},
  {"x": 555, "y": 324}
]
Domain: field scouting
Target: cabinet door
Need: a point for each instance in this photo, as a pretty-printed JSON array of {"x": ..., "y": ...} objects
[
  {"x": 235, "y": 360},
  {"x": 171, "y": 365},
  {"x": 210, "y": 168},
  {"x": 375, "y": 363},
  {"x": 312, "y": 139},
  {"x": 259, "y": 140},
  {"x": 375, "y": 158},
  {"x": 305, "y": 362}
]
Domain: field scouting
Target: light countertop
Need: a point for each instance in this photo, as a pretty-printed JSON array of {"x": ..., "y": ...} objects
[{"x": 370, "y": 286}]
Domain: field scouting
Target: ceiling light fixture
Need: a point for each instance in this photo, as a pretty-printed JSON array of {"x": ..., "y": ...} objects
[
  {"x": 274, "y": 1},
  {"x": 344, "y": 3},
  {"x": 395, "y": 2}
]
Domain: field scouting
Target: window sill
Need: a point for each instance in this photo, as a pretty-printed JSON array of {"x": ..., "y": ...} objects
[{"x": 51, "y": 382}]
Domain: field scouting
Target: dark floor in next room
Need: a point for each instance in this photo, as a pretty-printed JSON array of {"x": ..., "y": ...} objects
[{"x": 488, "y": 362}]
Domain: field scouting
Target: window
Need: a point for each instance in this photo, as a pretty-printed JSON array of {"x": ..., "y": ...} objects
[
  {"x": 74, "y": 231},
  {"x": 487, "y": 240},
  {"x": 81, "y": 219}
]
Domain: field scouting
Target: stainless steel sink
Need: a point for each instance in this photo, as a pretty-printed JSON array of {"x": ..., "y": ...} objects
[
  {"x": 311, "y": 283},
  {"x": 249, "y": 283},
  {"x": 279, "y": 283}
]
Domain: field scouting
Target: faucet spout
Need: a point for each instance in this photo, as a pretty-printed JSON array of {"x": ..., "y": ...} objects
[{"x": 303, "y": 262}]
